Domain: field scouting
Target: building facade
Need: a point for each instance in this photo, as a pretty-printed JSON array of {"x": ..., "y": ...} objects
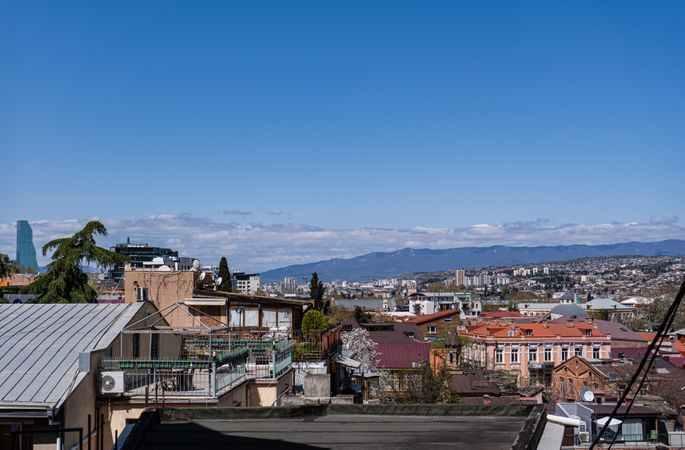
[
  {"x": 433, "y": 302},
  {"x": 532, "y": 350},
  {"x": 26, "y": 252},
  {"x": 246, "y": 283},
  {"x": 144, "y": 256}
]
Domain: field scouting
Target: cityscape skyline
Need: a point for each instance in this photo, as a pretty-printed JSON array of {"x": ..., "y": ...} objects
[{"x": 259, "y": 247}]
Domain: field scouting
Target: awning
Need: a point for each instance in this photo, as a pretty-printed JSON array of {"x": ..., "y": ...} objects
[
  {"x": 205, "y": 302},
  {"x": 348, "y": 362},
  {"x": 604, "y": 420}
]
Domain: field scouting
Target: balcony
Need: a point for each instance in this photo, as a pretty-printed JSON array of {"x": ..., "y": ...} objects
[
  {"x": 540, "y": 364},
  {"x": 200, "y": 379}
]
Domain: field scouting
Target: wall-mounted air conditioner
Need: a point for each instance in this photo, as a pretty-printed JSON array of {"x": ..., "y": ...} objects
[
  {"x": 112, "y": 383},
  {"x": 584, "y": 436}
]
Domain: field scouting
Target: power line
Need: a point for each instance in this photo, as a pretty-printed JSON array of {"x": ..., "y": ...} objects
[{"x": 649, "y": 356}]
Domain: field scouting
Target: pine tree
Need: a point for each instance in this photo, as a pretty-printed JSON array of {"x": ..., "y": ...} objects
[
  {"x": 65, "y": 281},
  {"x": 316, "y": 292},
  {"x": 225, "y": 276}
]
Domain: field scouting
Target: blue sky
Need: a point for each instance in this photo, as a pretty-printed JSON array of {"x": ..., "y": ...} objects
[{"x": 342, "y": 117}]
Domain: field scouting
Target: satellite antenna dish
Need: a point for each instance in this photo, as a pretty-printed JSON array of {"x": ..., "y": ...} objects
[
  {"x": 588, "y": 396},
  {"x": 202, "y": 276},
  {"x": 196, "y": 264},
  {"x": 219, "y": 280}
]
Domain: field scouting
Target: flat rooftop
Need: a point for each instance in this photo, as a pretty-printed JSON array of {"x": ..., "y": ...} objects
[{"x": 341, "y": 426}]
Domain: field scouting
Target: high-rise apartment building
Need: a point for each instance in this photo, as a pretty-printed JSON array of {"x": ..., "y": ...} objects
[
  {"x": 459, "y": 275},
  {"x": 26, "y": 252}
]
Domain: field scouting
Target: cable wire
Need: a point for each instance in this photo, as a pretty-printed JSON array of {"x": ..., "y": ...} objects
[{"x": 663, "y": 328}]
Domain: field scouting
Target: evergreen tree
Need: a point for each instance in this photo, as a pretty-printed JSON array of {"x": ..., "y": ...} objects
[
  {"x": 6, "y": 267},
  {"x": 225, "y": 276},
  {"x": 65, "y": 281},
  {"x": 316, "y": 293}
]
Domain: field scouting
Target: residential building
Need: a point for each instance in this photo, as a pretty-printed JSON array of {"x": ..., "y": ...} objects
[
  {"x": 140, "y": 254},
  {"x": 49, "y": 369},
  {"x": 437, "y": 324},
  {"x": 532, "y": 350},
  {"x": 639, "y": 429},
  {"x": 431, "y": 302},
  {"x": 246, "y": 283},
  {"x": 241, "y": 312},
  {"x": 610, "y": 309},
  {"x": 26, "y": 252},
  {"x": 459, "y": 277}
]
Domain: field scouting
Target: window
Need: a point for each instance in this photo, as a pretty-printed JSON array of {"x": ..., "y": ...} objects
[
  {"x": 432, "y": 329},
  {"x": 588, "y": 332},
  {"x": 514, "y": 355},
  {"x": 579, "y": 350},
  {"x": 499, "y": 356},
  {"x": 529, "y": 332},
  {"x": 564, "y": 354},
  {"x": 136, "y": 345},
  {"x": 533, "y": 354},
  {"x": 595, "y": 353},
  {"x": 548, "y": 354}
]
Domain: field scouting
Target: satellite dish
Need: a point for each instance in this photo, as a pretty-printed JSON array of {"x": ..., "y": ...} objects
[
  {"x": 202, "y": 276},
  {"x": 196, "y": 264},
  {"x": 219, "y": 280},
  {"x": 588, "y": 396}
]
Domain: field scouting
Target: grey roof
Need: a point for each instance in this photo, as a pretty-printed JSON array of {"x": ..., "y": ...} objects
[
  {"x": 40, "y": 346},
  {"x": 606, "y": 303},
  {"x": 569, "y": 309}
]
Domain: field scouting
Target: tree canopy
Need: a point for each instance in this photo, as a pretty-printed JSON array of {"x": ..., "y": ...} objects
[
  {"x": 6, "y": 267},
  {"x": 225, "y": 276},
  {"x": 65, "y": 281},
  {"x": 314, "y": 320}
]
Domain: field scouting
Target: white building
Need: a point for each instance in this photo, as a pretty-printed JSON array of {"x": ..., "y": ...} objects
[
  {"x": 432, "y": 302},
  {"x": 246, "y": 283}
]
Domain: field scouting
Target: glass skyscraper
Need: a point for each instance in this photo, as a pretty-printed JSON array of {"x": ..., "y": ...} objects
[{"x": 26, "y": 252}]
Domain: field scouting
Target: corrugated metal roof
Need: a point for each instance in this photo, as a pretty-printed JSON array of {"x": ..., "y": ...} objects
[{"x": 40, "y": 346}]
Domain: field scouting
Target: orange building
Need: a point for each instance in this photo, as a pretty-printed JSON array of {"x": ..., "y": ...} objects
[{"x": 533, "y": 349}]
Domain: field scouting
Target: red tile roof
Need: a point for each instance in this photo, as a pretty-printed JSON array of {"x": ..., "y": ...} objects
[
  {"x": 499, "y": 314},
  {"x": 537, "y": 330},
  {"x": 423, "y": 319},
  {"x": 647, "y": 336},
  {"x": 402, "y": 355}
]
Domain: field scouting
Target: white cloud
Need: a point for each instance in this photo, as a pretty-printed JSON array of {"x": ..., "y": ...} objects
[{"x": 257, "y": 246}]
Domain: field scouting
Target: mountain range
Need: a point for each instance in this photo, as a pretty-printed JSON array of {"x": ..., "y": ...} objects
[{"x": 401, "y": 262}]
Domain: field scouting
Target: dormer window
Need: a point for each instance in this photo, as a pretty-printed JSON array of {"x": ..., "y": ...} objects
[
  {"x": 529, "y": 332},
  {"x": 588, "y": 332}
]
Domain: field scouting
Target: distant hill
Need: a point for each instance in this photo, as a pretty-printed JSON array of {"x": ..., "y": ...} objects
[{"x": 408, "y": 260}]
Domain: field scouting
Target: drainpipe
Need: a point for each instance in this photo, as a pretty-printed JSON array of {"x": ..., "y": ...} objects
[{"x": 213, "y": 379}]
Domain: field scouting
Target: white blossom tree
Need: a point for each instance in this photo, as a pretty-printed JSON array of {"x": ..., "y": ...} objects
[{"x": 362, "y": 348}]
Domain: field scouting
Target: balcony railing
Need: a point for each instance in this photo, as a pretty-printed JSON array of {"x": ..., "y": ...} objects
[
  {"x": 628, "y": 440},
  {"x": 159, "y": 379}
]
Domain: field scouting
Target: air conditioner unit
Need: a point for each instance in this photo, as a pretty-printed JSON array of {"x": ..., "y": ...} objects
[
  {"x": 141, "y": 294},
  {"x": 112, "y": 383},
  {"x": 584, "y": 436}
]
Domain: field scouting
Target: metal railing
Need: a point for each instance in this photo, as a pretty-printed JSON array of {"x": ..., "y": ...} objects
[
  {"x": 203, "y": 378},
  {"x": 628, "y": 440}
]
